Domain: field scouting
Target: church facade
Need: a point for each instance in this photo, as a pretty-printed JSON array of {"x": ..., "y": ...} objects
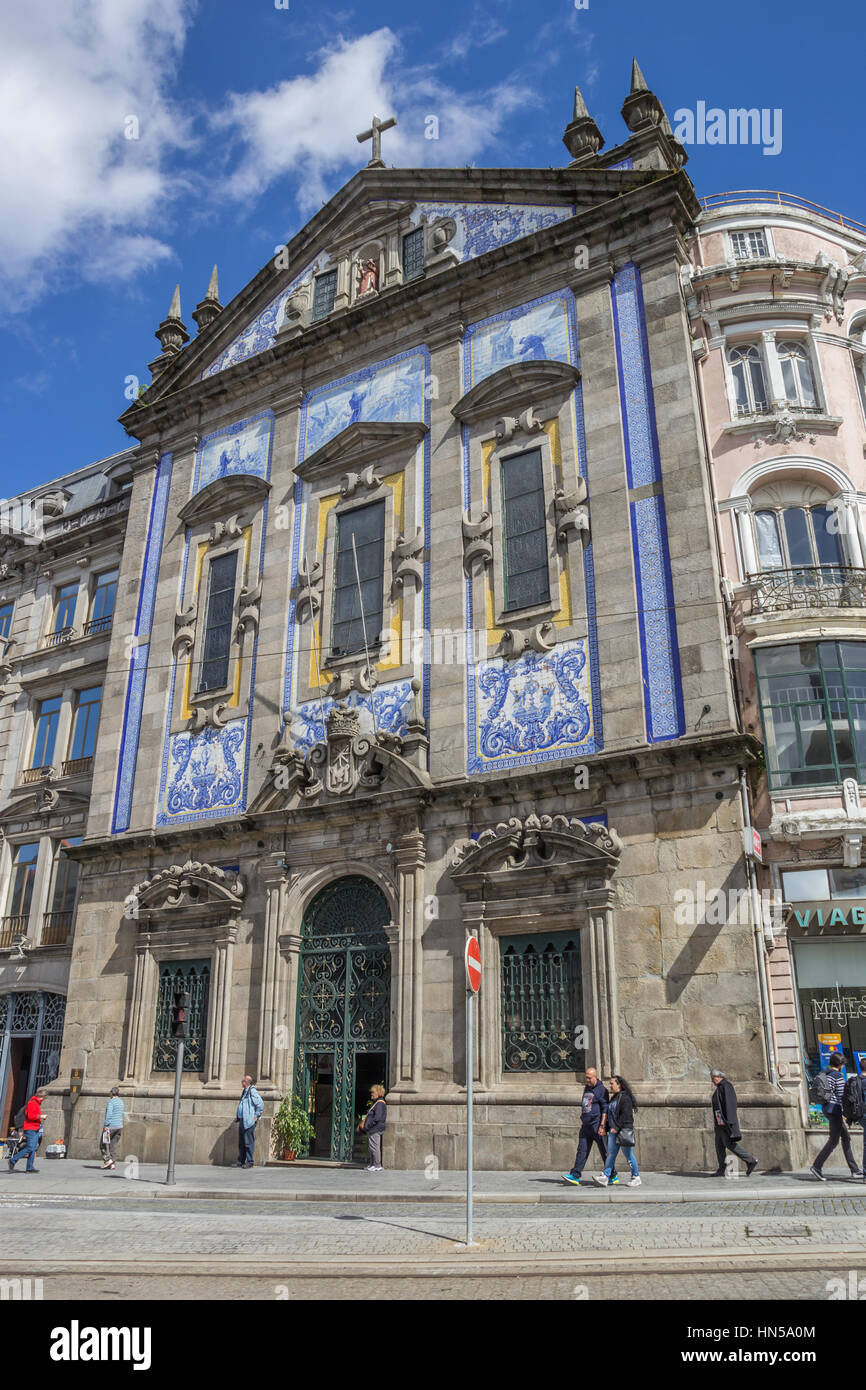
[{"x": 419, "y": 633}]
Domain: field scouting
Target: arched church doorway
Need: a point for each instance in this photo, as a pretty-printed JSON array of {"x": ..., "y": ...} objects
[
  {"x": 31, "y": 1032},
  {"x": 344, "y": 1011}
]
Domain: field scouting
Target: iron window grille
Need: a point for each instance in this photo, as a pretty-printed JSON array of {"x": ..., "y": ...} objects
[
  {"x": 542, "y": 1013},
  {"x": 216, "y": 646},
  {"x": 366, "y": 526},
  {"x": 813, "y": 709},
  {"x": 413, "y": 254},
  {"x": 524, "y": 528},
  {"x": 192, "y": 976},
  {"x": 324, "y": 294}
]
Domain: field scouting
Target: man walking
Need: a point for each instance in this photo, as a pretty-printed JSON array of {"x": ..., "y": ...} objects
[
  {"x": 113, "y": 1123},
  {"x": 726, "y": 1126},
  {"x": 250, "y": 1109},
  {"x": 32, "y": 1128},
  {"x": 593, "y": 1116},
  {"x": 828, "y": 1088}
]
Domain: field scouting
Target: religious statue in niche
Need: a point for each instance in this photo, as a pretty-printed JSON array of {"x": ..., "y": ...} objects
[{"x": 368, "y": 276}]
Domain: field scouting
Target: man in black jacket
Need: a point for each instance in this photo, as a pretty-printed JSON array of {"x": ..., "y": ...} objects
[
  {"x": 593, "y": 1115},
  {"x": 726, "y": 1126}
]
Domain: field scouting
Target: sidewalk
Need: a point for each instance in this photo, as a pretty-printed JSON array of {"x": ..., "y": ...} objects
[{"x": 301, "y": 1182}]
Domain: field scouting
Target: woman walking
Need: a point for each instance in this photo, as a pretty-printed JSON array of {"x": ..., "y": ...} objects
[{"x": 620, "y": 1132}]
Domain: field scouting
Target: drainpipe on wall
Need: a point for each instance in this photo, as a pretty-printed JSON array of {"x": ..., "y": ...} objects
[{"x": 760, "y": 944}]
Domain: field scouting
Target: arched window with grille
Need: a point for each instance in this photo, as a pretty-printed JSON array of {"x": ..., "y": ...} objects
[{"x": 749, "y": 378}]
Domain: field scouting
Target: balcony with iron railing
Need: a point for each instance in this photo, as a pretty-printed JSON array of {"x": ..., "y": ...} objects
[
  {"x": 59, "y": 638},
  {"x": 715, "y": 201},
  {"x": 98, "y": 625},
  {"x": 807, "y": 587},
  {"x": 37, "y": 774},
  {"x": 10, "y": 927},
  {"x": 56, "y": 928},
  {"x": 77, "y": 767}
]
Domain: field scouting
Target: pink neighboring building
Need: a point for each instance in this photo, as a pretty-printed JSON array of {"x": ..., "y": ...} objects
[{"x": 776, "y": 290}]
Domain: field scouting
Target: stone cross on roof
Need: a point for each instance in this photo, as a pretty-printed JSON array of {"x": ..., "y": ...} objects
[{"x": 375, "y": 134}]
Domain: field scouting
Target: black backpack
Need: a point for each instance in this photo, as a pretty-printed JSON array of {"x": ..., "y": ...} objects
[
  {"x": 852, "y": 1098},
  {"x": 19, "y": 1117}
]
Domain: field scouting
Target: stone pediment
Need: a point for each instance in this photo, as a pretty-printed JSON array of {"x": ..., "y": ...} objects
[
  {"x": 43, "y": 799},
  {"x": 515, "y": 387},
  {"x": 361, "y": 443},
  {"x": 185, "y": 891},
  {"x": 547, "y": 843},
  {"x": 223, "y": 496}
]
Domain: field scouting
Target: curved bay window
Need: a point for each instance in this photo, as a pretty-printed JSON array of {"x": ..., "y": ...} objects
[
  {"x": 178, "y": 977},
  {"x": 542, "y": 1015},
  {"x": 813, "y": 708},
  {"x": 747, "y": 373}
]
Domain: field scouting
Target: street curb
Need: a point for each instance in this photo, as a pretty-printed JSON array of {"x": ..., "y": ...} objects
[
  {"x": 460, "y": 1261},
  {"x": 138, "y": 1189}
]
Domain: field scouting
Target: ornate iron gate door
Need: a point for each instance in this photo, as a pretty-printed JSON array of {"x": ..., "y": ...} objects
[{"x": 344, "y": 992}]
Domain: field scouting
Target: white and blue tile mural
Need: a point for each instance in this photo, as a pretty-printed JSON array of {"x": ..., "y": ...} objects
[
  {"x": 261, "y": 332},
  {"x": 139, "y": 657},
  {"x": 206, "y": 773},
  {"x": 663, "y": 698},
  {"x": 531, "y": 710},
  {"x": 538, "y": 707},
  {"x": 390, "y": 703},
  {"x": 392, "y": 392},
  {"x": 241, "y": 448}
]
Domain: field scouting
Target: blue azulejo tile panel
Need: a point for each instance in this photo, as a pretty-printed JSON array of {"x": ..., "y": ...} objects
[
  {"x": 537, "y": 329},
  {"x": 660, "y": 659},
  {"x": 663, "y": 699},
  {"x": 484, "y": 226},
  {"x": 531, "y": 710},
  {"x": 390, "y": 702},
  {"x": 137, "y": 676},
  {"x": 205, "y": 773},
  {"x": 388, "y": 391},
  {"x": 261, "y": 332},
  {"x": 129, "y": 738},
  {"x": 636, "y": 393},
  {"x": 244, "y": 447}
]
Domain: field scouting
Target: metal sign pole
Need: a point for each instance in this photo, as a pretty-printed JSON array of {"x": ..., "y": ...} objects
[
  {"x": 470, "y": 1068},
  {"x": 175, "y": 1111}
]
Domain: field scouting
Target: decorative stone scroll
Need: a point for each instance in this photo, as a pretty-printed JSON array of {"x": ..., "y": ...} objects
[{"x": 476, "y": 540}]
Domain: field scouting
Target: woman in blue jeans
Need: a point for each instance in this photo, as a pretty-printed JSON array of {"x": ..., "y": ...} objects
[{"x": 620, "y": 1126}]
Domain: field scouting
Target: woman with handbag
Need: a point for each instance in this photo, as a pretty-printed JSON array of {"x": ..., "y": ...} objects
[{"x": 620, "y": 1126}]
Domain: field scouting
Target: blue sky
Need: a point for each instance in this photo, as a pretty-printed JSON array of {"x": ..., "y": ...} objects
[{"x": 247, "y": 116}]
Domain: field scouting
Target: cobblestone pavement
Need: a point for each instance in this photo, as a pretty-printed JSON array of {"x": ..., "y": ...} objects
[{"x": 81, "y": 1230}]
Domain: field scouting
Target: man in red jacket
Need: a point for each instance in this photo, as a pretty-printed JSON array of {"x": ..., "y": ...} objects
[{"x": 32, "y": 1128}]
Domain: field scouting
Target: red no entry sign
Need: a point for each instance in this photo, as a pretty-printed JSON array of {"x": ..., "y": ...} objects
[{"x": 473, "y": 964}]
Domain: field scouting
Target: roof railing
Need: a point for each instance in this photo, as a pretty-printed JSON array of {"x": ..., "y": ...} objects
[{"x": 773, "y": 196}]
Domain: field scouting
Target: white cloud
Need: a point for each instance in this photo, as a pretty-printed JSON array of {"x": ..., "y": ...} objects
[
  {"x": 478, "y": 31},
  {"x": 305, "y": 127},
  {"x": 75, "y": 190}
]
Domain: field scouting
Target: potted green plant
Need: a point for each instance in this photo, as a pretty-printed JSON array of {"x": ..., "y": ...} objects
[{"x": 292, "y": 1128}]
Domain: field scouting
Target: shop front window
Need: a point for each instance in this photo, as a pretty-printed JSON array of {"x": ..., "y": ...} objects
[{"x": 831, "y": 996}]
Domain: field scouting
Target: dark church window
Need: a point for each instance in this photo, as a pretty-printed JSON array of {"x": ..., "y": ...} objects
[
  {"x": 365, "y": 526},
  {"x": 542, "y": 1005},
  {"x": 178, "y": 977},
  {"x": 527, "y": 577},
  {"x": 214, "y": 672},
  {"x": 413, "y": 254},
  {"x": 324, "y": 293}
]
